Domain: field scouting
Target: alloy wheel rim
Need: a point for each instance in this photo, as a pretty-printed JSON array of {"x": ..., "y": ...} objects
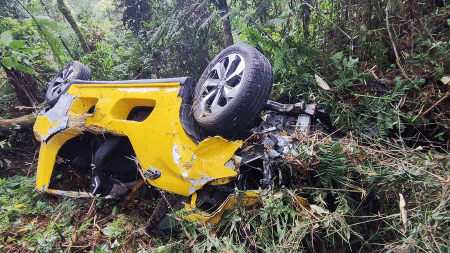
[
  {"x": 222, "y": 83},
  {"x": 62, "y": 81}
]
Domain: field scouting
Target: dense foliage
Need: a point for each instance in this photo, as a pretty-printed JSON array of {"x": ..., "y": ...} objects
[{"x": 384, "y": 187}]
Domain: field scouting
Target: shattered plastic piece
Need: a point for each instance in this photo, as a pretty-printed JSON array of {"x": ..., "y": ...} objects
[
  {"x": 285, "y": 108},
  {"x": 250, "y": 158},
  {"x": 272, "y": 153},
  {"x": 270, "y": 129},
  {"x": 275, "y": 120},
  {"x": 269, "y": 140},
  {"x": 290, "y": 124},
  {"x": 303, "y": 123},
  {"x": 311, "y": 109},
  {"x": 283, "y": 140}
]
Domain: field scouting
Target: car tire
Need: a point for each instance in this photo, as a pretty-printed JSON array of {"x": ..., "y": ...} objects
[
  {"x": 232, "y": 90},
  {"x": 63, "y": 80}
]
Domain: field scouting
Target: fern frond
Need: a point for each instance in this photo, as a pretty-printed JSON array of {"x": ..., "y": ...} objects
[
  {"x": 275, "y": 22},
  {"x": 280, "y": 58},
  {"x": 395, "y": 178},
  {"x": 333, "y": 164},
  {"x": 209, "y": 19},
  {"x": 157, "y": 34},
  {"x": 46, "y": 25}
]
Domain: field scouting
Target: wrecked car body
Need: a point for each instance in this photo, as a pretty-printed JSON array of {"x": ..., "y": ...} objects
[
  {"x": 162, "y": 129},
  {"x": 132, "y": 137}
]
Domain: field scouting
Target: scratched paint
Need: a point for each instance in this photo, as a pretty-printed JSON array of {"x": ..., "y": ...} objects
[
  {"x": 176, "y": 155},
  {"x": 159, "y": 141},
  {"x": 139, "y": 90}
]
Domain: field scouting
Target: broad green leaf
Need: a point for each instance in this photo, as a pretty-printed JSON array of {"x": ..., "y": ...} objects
[
  {"x": 6, "y": 37},
  {"x": 337, "y": 56},
  {"x": 7, "y": 62},
  {"x": 27, "y": 50},
  {"x": 14, "y": 59},
  {"x": 17, "y": 44},
  {"x": 24, "y": 68}
]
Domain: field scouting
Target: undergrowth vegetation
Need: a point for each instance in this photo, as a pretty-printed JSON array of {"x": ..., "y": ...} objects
[{"x": 380, "y": 68}]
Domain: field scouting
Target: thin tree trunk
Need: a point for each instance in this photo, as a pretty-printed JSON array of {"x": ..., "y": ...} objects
[
  {"x": 223, "y": 8},
  {"x": 306, "y": 18},
  {"x": 63, "y": 8},
  {"x": 25, "y": 86},
  {"x": 45, "y": 7},
  {"x": 66, "y": 47}
]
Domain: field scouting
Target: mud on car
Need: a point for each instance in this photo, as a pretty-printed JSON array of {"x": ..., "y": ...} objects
[{"x": 173, "y": 137}]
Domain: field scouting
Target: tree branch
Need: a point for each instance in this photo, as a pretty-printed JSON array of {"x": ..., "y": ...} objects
[
  {"x": 63, "y": 8},
  {"x": 397, "y": 58},
  {"x": 25, "y": 122}
]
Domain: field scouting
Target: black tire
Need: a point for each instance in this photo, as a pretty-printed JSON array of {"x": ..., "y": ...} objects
[
  {"x": 63, "y": 80},
  {"x": 226, "y": 104}
]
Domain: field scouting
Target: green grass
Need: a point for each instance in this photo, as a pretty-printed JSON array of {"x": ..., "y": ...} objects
[{"x": 363, "y": 183}]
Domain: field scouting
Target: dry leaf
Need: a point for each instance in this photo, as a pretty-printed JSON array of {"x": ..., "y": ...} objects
[
  {"x": 321, "y": 82},
  {"x": 445, "y": 79},
  {"x": 402, "y": 205},
  {"x": 277, "y": 195}
]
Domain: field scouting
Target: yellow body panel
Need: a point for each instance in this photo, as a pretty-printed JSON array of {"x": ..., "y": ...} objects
[
  {"x": 159, "y": 141},
  {"x": 248, "y": 198}
]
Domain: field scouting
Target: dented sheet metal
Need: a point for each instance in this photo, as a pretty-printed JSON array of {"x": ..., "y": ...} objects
[
  {"x": 247, "y": 198},
  {"x": 104, "y": 108},
  {"x": 51, "y": 121}
]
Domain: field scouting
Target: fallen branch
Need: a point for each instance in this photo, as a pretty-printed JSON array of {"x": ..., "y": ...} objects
[
  {"x": 25, "y": 122},
  {"x": 435, "y": 104},
  {"x": 397, "y": 57},
  {"x": 372, "y": 72},
  {"x": 28, "y": 109}
]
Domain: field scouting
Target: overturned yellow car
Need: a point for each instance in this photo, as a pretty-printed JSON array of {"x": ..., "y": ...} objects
[{"x": 173, "y": 136}]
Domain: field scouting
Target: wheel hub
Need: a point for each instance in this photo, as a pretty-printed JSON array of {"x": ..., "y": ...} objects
[
  {"x": 62, "y": 81},
  {"x": 223, "y": 83}
]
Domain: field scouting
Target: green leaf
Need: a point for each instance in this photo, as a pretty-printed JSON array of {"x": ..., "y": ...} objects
[
  {"x": 17, "y": 44},
  {"x": 203, "y": 5},
  {"x": 27, "y": 50},
  {"x": 7, "y": 62},
  {"x": 337, "y": 56},
  {"x": 439, "y": 136},
  {"x": 24, "y": 68},
  {"x": 14, "y": 59},
  {"x": 6, "y": 37}
]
